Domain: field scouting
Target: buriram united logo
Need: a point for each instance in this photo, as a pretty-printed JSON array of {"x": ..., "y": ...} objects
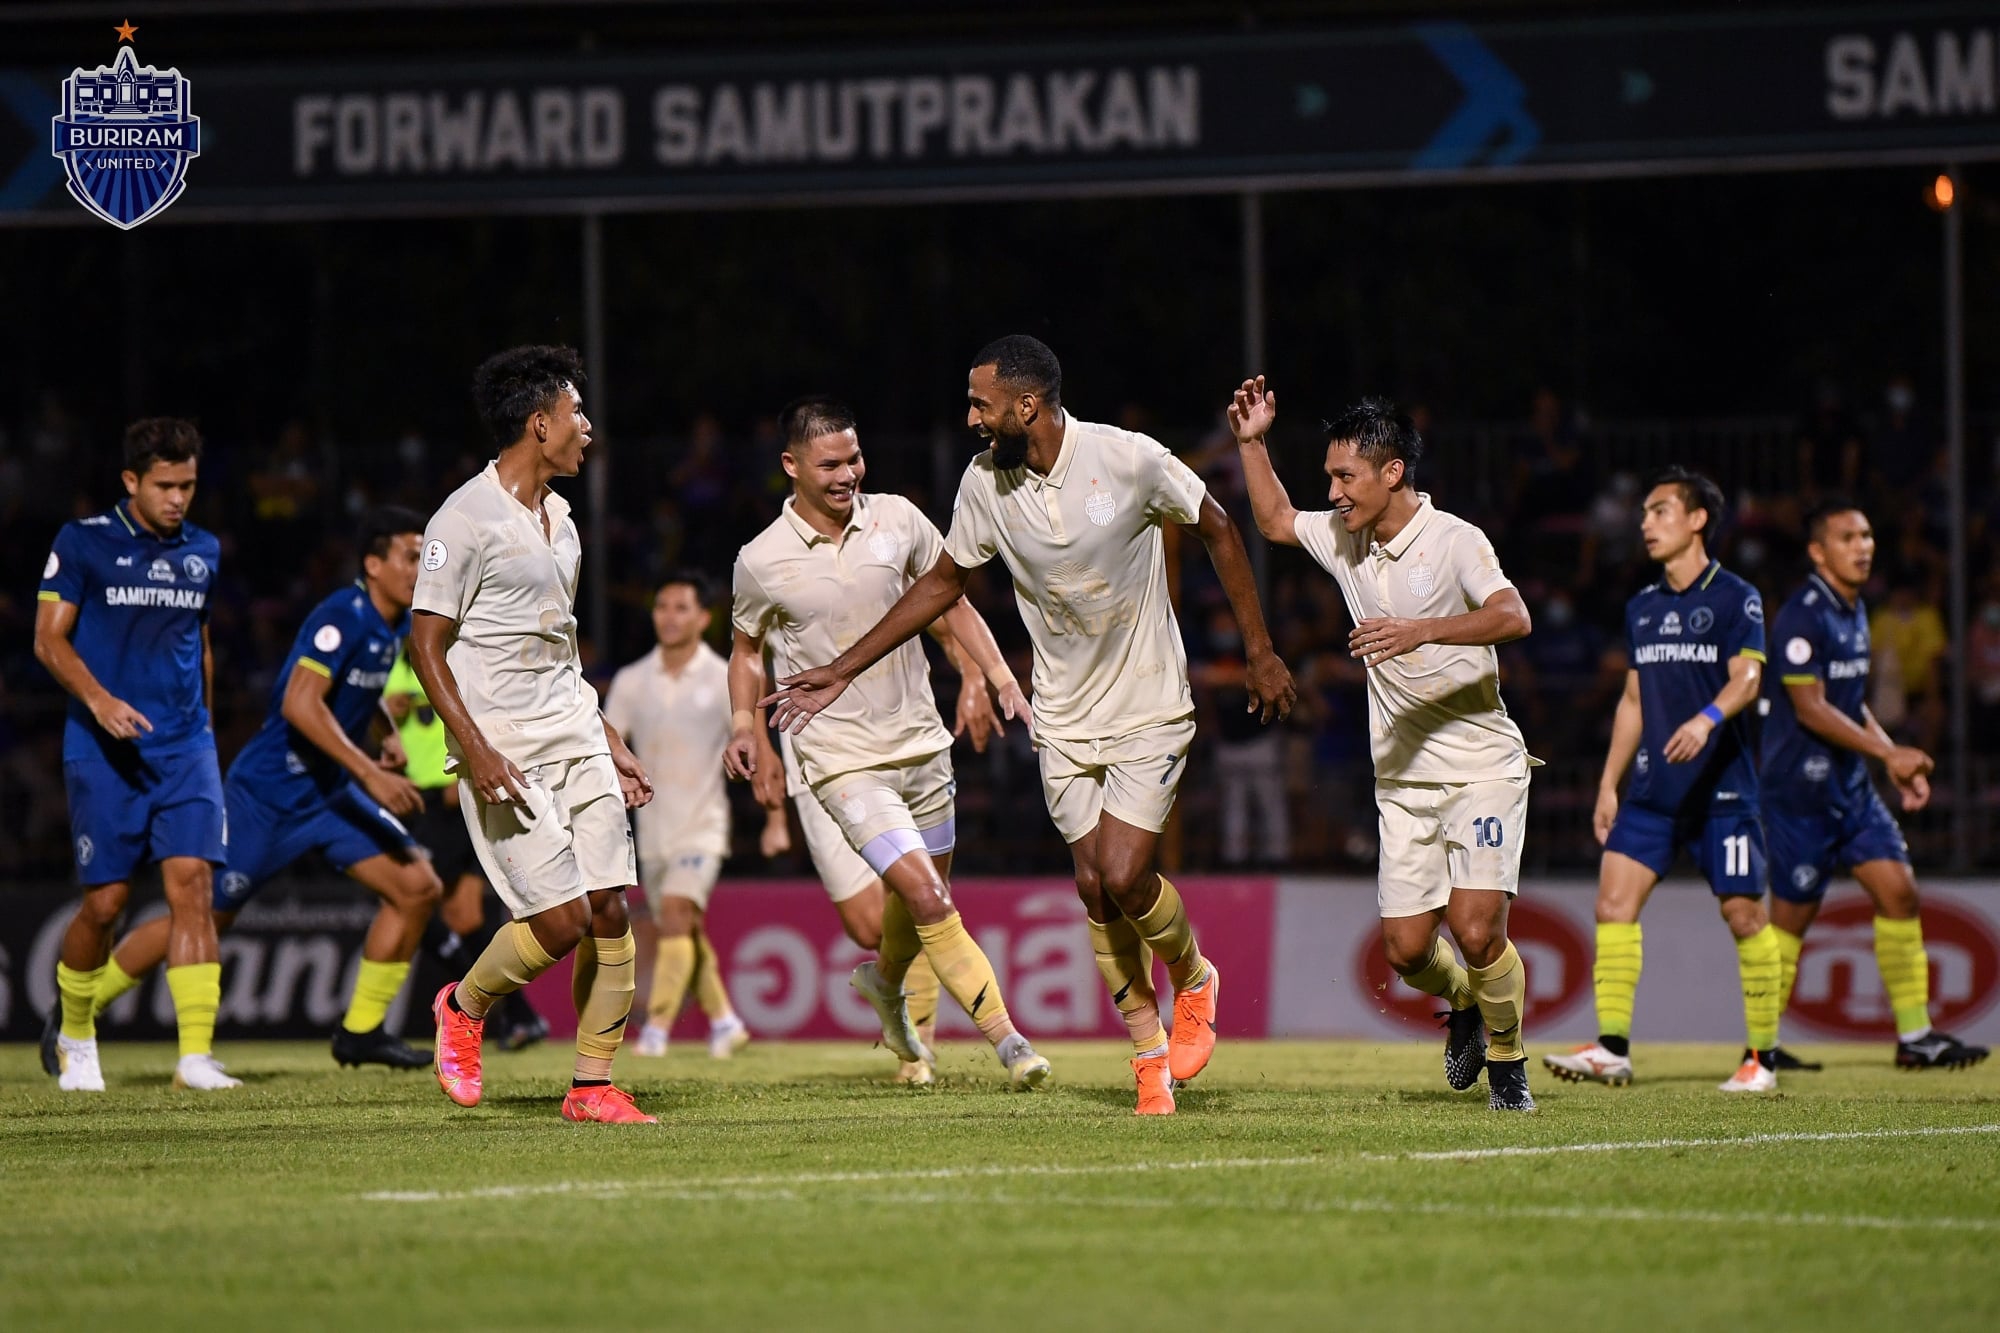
[{"x": 125, "y": 136}]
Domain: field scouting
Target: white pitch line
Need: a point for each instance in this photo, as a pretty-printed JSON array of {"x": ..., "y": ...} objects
[
  {"x": 602, "y": 1187},
  {"x": 1655, "y": 1145},
  {"x": 746, "y": 1186},
  {"x": 1518, "y": 1212}
]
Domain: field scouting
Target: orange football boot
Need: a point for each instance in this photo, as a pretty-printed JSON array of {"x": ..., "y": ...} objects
[
  {"x": 457, "y": 1059},
  {"x": 1193, "y": 1039},
  {"x": 604, "y": 1105},
  {"x": 1156, "y": 1085}
]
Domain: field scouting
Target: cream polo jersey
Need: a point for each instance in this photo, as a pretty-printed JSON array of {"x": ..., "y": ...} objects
[
  {"x": 1083, "y": 545},
  {"x": 678, "y": 726},
  {"x": 512, "y": 590},
  {"x": 1434, "y": 714},
  {"x": 812, "y": 597}
]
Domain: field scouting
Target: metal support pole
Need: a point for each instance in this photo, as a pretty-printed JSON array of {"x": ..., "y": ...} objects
[
  {"x": 1252, "y": 209},
  {"x": 598, "y": 474},
  {"x": 1963, "y": 814}
]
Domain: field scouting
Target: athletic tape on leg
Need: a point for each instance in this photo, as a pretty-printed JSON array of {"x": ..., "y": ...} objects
[{"x": 885, "y": 849}]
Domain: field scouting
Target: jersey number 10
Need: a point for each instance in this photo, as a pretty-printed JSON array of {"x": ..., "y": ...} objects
[{"x": 1487, "y": 832}]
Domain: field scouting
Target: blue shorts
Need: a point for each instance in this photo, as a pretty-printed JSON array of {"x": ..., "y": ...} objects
[
  {"x": 1727, "y": 845},
  {"x": 349, "y": 827},
  {"x": 1808, "y": 848},
  {"x": 128, "y": 811}
]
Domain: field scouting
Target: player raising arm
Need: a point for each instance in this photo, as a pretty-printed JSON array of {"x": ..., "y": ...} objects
[{"x": 1451, "y": 770}]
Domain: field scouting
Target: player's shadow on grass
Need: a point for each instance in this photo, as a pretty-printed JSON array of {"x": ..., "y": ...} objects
[{"x": 1194, "y": 1101}]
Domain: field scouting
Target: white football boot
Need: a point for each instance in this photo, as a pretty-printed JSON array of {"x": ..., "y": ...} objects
[
  {"x": 78, "y": 1063},
  {"x": 1591, "y": 1064},
  {"x": 203, "y": 1073}
]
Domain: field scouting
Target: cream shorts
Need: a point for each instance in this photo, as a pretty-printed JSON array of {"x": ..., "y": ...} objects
[
  {"x": 870, "y": 802},
  {"x": 691, "y": 875},
  {"x": 840, "y": 868},
  {"x": 571, "y": 837},
  {"x": 1440, "y": 836},
  {"x": 1134, "y": 777}
]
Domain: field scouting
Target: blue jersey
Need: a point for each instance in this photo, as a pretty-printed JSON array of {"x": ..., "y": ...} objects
[
  {"x": 346, "y": 640},
  {"x": 1681, "y": 644},
  {"x": 1819, "y": 637},
  {"x": 141, "y": 601}
]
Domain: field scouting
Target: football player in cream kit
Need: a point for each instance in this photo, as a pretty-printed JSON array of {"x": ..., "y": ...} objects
[
  {"x": 1451, "y": 770},
  {"x": 672, "y": 708},
  {"x": 544, "y": 780}
]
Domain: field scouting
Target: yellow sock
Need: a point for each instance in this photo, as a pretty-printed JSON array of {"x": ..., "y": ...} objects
[
  {"x": 900, "y": 942},
  {"x": 601, "y": 1015},
  {"x": 1757, "y": 959},
  {"x": 674, "y": 961},
  {"x": 709, "y": 990},
  {"x": 1616, "y": 975},
  {"x": 1165, "y": 927},
  {"x": 112, "y": 982},
  {"x": 1502, "y": 991},
  {"x": 78, "y": 994},
  {"x": 375, "y": 987},
  {"x": 962, "y": 968},
  {"x": 1442, "y": 976},
  {"x": 197, "y": 992},
  {"x": 1789, "y": 948},
  {"x": 1128, "y": 975},
  {"x": 1906, "y": 974},
  {"x": 511, "y": 960},
  {"x": 921, "y": 983}
]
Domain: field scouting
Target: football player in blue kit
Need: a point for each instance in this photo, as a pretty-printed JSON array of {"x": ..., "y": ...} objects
[
  {"x": 309, "y": 781},
  {"x": 1822, "y": 815},
  {"x": 1696, "y": 641},
  {"x": 122, "y": 625}
]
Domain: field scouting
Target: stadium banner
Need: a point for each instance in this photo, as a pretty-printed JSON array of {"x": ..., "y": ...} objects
[
  {"x": 1329, "y": 978},
  {"x": 1302, "y": 956},
  {"x": 1285, "y": 107}
]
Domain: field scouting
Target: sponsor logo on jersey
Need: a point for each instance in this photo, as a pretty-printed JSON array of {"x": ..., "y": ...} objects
[
  {"x": 1671, "y": 624},
  {"x": 1676, "y": 652},
  {"x": 161, "y": 571}
]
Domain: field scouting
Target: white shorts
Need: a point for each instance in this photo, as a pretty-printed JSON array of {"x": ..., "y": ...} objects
[
  {"x": 1134, "y": 777},
  {"x": 1440, "y": 836},
  {"x": 571, "y": 837},
  {"x": 870, "y": 802},
  {"x": 691, "y": 876},
  {"x": 839, "y": 866}
]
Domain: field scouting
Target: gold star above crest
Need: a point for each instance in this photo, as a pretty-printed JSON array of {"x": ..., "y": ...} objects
[{"x": 125, "y": 30}]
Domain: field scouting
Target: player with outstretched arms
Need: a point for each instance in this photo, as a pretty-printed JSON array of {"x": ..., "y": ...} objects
[
  {"x": 544, "y": 781},
  {"x": 832, "y": 562},
  {"x": 1075, "y": 511},
  {"x": 1430, "y": 605}
]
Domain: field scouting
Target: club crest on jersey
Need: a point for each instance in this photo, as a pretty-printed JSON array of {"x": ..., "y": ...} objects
[
  {"x": 1671, "y": 623},
  {"x": 195, "y": 568},
  {"x": 1700, "y": 619},
  {"x": 125, "y": 138},
  {"x": 1423, "y": 580},
  {"x": 1804, "y": 877},
  {"x": 1100, "y": 509},
  {"x": 884, "y": 546},
  {"x": 160, "y": 571}
]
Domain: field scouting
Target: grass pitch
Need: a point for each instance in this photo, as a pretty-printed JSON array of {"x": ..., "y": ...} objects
[{"x": 1301, "y": 1186}]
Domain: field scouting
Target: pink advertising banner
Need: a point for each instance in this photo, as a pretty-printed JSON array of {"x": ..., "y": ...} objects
[{"x": 786, "y": 960}]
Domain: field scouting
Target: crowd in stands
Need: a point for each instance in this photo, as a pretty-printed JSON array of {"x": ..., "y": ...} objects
[{"x": 1558, "y": 496}]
